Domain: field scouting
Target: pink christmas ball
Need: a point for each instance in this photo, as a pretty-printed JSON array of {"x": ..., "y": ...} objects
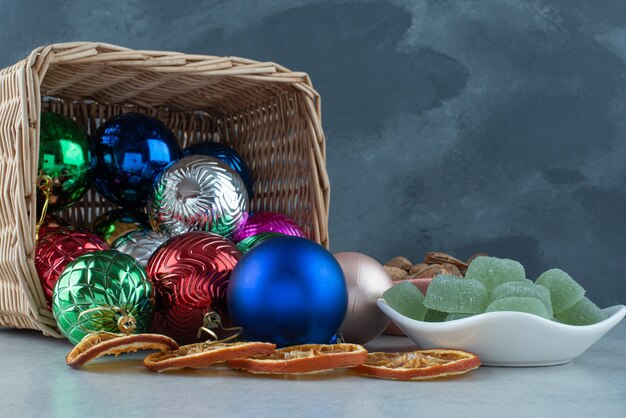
[{"x": 259, "y": 222}]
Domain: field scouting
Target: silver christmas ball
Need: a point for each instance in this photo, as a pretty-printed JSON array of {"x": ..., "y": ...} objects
[
  {"x": 140, "y": 244},
  {"x": 198, "y": 193},
  {"x": 366, "y": 280}
]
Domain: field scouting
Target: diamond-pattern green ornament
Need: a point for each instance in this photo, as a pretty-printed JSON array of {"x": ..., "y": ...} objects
[{"x": 109, "y": 284}]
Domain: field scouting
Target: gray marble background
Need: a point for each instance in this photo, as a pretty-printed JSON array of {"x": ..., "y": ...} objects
[{"x": 459, "y": 126}]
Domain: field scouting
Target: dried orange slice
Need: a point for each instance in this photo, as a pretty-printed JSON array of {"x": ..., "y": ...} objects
[
  {"x": 307, "y": 358},
  {"x": 100, "y": 344},
  {"x": 418, "y": 365},
  {"x": 204, "y": 354}
]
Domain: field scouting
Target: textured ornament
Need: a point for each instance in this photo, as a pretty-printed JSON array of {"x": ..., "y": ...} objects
[
  {"x": 57, "y": 249},
  {"x": 227, "y": 155},
  {"x": 111, "y": 286},
  {"x": 366, "y": 280},
  {"x": 190, "y": 274},
  {"x": 64, "y": 156},
  {"x": 252, "y": 241},
  {"x": 52, "y": 223},
  {"x": 198, "y": 193},
  {"x": 140, "y": 245},
  {"x": 116, "y": 223},
  {"x": 288, "y": 291},
  {"x": 131, "y": 150},
  {"x": 267, "y": 222}
]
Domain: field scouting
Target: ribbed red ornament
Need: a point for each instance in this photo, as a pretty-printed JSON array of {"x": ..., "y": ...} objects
[
  {"x": 57, "y": 249},
  {"x": 190, "y": 274}
]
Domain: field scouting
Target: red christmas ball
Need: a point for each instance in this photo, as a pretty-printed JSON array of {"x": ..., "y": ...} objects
[
  {"x": 51, "y": 223},
  {"x": 190, "y": 274},
  {"x": 57, "y": 249}
]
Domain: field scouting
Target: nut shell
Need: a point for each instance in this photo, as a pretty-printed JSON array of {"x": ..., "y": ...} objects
[
  {"x": 396, "y": 273},
  {"x": 443, "y": 258},
  {"x": 419, "y": 267},
  {"x": 400, "y": 262},
  {"x": 430, "y": 272}
]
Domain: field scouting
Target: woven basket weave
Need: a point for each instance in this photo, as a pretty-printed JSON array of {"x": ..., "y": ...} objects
[{"x": 269, "y": 114}]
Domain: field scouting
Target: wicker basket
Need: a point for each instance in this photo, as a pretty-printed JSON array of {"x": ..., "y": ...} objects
[{"x": 269, "y": 114}]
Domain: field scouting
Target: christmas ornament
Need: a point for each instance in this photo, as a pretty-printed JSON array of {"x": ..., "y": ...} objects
[
  {"x": 267, "y": 222},
  {"x": 288, "y": 291},
  {"x": 198, "y": 193},
  {"x": 366, "y": 280},
  {"x": 65, "y": 157},
  {"x": 139, "y": 244},
  {"x": 227, "y": 155},
  {"x": 252, "y": 241},
  {"x": 52, "y": 223},
  {"x": 131, "y": 150},
  {"x": 116, "y": 223},
  {"x": 190, "y": 274},
  {"x": 102, "y": 291},
  {"x": 57, "y": 249}
]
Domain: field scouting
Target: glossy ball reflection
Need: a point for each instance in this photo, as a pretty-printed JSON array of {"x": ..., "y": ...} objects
[
  {"x": 227, "y": 155},
  {"x": 65, "y": 156},
  {"x": 131, "y": 150},
  {"x": 102, "y": 280},
  {"x": 139, "y": 244},
  {"x": 366, "y": 280},
  {"x": 114, "y": 224},
  {"x": 198, "y": 193},
  {"x": 259, "y": 222},
  {"x": 190, "y": 274},
  {"x": 288, "y": 291},
  {"x": 56, "y": 249}
]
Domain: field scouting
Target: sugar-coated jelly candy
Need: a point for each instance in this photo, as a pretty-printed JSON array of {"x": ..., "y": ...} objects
[
  {"x": 519, "y": 304},
  {"x": 406, "y": 299},
  {"x": 523, "y": 289},
  {"x": 583, "y": 312},
  {"x": 492, "y": 271},
  {"x": 454, "y": 315},
  {"x": 455, "y": 294},
  {"x": 433, "y": 315},
  {"x": 564, "y": 291}
]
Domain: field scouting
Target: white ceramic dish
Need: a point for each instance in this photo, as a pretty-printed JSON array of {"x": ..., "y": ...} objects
[{"x": 514, "y": 339}]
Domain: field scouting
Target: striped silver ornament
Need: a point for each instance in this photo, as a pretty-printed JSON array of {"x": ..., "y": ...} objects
[{"x": 198, "y": 193}]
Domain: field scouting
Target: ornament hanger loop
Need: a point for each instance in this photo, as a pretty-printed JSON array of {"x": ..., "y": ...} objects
[
  {"x": 126, "y": 323},
  {"x": 45, "y": 184},
  {"x": 213, "y": 320}
]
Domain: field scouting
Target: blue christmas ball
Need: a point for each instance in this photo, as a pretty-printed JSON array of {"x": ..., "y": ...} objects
[
  {"x": 227, "y": 155},
  {"x": 288, "y": 291},
  {"x": 131, "y": 150}
]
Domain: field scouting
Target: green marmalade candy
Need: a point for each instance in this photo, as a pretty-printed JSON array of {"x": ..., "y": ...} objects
[
  {"x": 583, "y": 312},
  {"x": 524, "y": 289},
  {"x": 519, "y": 304},
  {"x": 455, "y": 294},
  {"x": 406, "y": 299},
  {"x": 564, "y": 291},
  {"x": 492, "y": 271}
]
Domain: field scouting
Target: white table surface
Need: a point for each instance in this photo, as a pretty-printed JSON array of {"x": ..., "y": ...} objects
[{"x": 35, "y": 381}]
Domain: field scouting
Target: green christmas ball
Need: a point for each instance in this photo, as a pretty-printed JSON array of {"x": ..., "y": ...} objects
[
  {"x": 252, "y": 241},
  {"x": 102, "y": 291},
  {"x": 64, "y": 156},
  {"x": 116, "y": 223}
]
